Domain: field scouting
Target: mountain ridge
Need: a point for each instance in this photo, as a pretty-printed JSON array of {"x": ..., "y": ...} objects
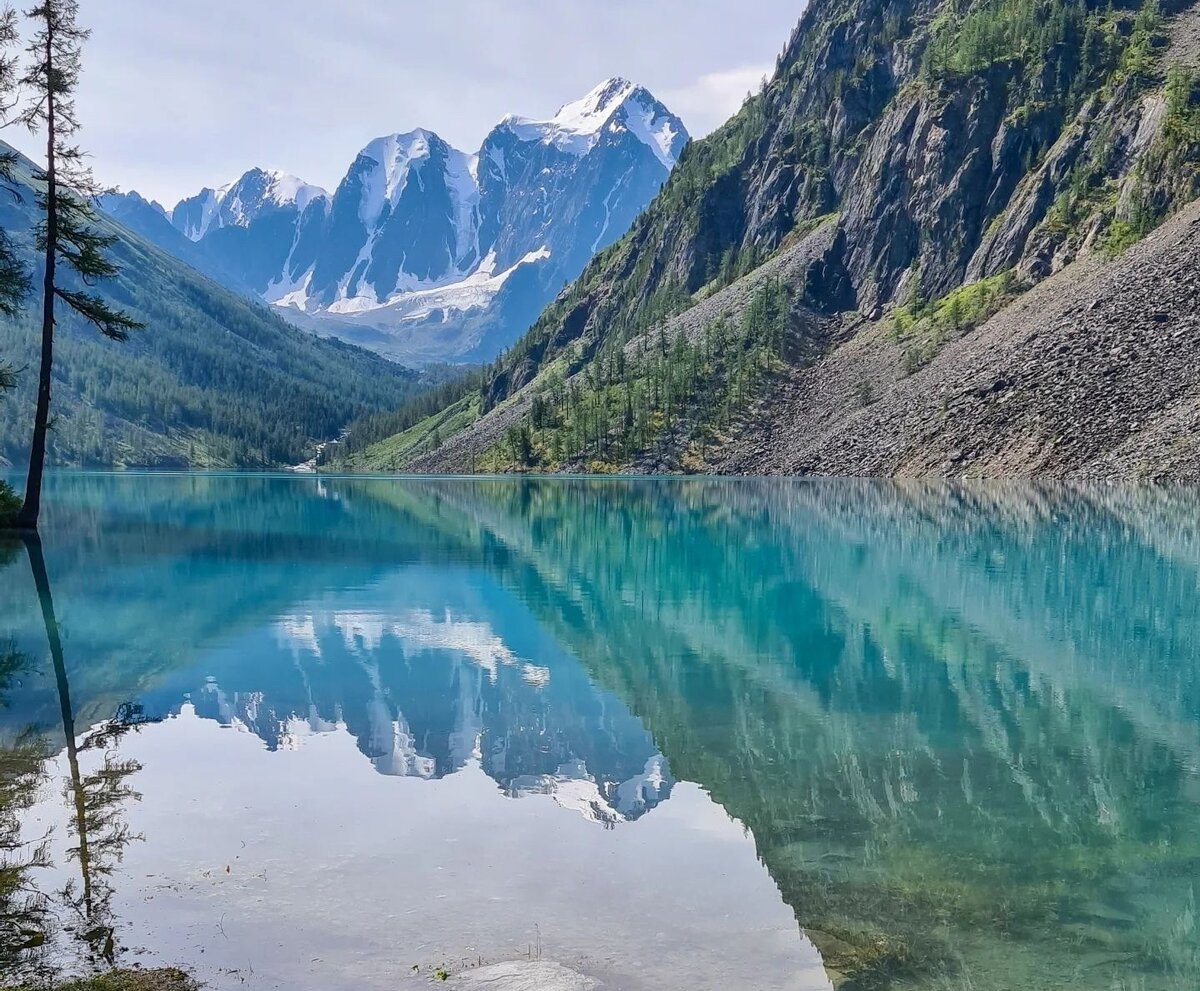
[{"x": 441, "y": 253}]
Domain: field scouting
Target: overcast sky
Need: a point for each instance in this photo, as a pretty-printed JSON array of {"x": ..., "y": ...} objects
[{"x": 179, "y": 94}]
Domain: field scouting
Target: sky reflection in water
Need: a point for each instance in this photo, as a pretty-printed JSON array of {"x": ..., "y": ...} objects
[{"x": 667, "y": 734}]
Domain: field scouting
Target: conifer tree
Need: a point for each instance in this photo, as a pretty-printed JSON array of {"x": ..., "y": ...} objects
[
  {"x": 67, "y": 234},
  {"x": 14, "y": 279}
]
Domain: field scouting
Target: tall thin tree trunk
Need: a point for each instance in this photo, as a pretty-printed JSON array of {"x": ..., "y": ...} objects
[{"x": 27, "y": 518}]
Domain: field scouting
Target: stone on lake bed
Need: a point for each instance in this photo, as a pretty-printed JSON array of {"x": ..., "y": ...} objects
[{"x": 521, "y": 975}]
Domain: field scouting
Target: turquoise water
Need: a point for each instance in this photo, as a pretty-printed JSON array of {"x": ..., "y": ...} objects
[{"x": 359, "y": 733}]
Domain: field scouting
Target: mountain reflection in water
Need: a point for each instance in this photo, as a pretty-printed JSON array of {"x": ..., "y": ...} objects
[{"x": 960, "y": 725}]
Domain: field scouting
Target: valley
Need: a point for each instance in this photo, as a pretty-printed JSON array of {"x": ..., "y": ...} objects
[
  {"x": 214, "y": 381},
  {"x": 933, "y": 242},
  {"x": 355, "y": 632}
]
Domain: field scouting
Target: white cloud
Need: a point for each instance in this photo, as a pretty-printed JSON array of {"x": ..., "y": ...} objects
[{"x": 715, "y": 97}]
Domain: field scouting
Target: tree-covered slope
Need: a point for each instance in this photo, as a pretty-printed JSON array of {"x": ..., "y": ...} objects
[
  {"x": 912, "y": 167},
  {"x": 213, "y": 380}
]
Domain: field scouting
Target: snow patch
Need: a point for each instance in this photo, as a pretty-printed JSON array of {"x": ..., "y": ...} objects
[
  {"x": 657, "y": 131},
  {"x": 209, "y": 204},
  {"x": 362, "y": 634},
  {"x": 293, "y": 294},
  {"x": 286, "y": 188},
  {"x": 416, "y": 302},
  {"x": 572, "y": 787},
  {"x": 462, "y": 181}
]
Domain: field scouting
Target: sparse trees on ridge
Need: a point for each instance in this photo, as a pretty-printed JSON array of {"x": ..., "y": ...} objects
[{"x": 686, "y": 388}]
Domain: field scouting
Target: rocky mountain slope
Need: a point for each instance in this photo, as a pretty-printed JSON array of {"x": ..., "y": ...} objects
[
  {"x": 913, "y": 168},
  {"x": 213, "y": 381},
  {"x": 1094, "y": 373},
  {"x": 427, "y": 252}
]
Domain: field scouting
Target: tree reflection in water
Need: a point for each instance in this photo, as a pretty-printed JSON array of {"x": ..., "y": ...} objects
[{"x": 96, "y": 792}]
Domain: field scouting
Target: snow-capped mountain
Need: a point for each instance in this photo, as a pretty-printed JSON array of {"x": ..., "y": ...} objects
[
  {"x": 241, "y": 202},
  {"x": 425, "y": 252}
]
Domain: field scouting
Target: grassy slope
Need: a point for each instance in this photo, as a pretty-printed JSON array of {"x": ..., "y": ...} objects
[{"x": 394, "y": 452}]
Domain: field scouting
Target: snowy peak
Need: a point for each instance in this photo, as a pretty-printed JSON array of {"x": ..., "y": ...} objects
[
  {"x": 385, "y": 165},
  {"x": 239, "y": 202},
  {"x": 613, "y": 105},
  {"x": 194, "y": 216},
  {"x": 435, "y": 252},
  {"x": 601, "y": 101},
  {"x": 283, "y": 189},
  {"x": 590, "y": 114},
  {"x": 243, "y": 200},
  {"x": 385, "y": 169},
  {"x": 113, "y": 198},
  {"x": 394, "y": 151},
  {"x": 654, "y": 125}
]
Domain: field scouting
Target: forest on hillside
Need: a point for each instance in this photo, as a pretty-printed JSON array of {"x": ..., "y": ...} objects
[{"x": 212, "y": 380}]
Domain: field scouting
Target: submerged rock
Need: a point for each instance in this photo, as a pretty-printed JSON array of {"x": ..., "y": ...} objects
[{"x": 521, "y": 975}]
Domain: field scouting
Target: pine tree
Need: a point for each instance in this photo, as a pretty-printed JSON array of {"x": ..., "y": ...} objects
[
  {"x": 14, "y": 279},
  {"x": 67, "y": 233}
]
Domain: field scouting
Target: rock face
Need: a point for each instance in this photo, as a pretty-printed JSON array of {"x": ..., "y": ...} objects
[
  {"x": 946, "y": 144},
  {"x": 151, "y": 221},
  {"x": 942, "y": 162},
  {"x": 447, "y": 255},
  {"x": 1094, "y": 374},
  {"x": 523, "y": 975}
]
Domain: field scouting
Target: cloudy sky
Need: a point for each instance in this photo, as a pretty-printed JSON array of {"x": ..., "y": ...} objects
[{"x": 186, "y": 93}]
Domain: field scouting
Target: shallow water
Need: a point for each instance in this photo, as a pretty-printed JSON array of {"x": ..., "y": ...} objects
[{"x": 368, "y": 733}]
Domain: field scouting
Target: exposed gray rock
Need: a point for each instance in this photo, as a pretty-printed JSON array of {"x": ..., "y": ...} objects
[
  {"x": 1093, "y": 374},
  {"x": 937, "y": 174},
  {"x": 424, "y": 252},
  {"x": 520, "y": 975}
]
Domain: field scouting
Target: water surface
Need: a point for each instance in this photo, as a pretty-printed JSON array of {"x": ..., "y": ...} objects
[{"x": 368, "y": 733}]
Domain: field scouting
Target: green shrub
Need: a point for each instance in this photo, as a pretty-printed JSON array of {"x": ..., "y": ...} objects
[
  {"x": 924, "y": 326},
  {"x": 959, "y": 310},
  {"x": 1064, "y": 50},
  {"x": 1118, "y": 237},
  {"x": 10, "y": 504}
]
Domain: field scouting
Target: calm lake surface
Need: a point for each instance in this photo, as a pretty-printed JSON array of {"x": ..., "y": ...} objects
[{"x": 297, "y": 732}]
